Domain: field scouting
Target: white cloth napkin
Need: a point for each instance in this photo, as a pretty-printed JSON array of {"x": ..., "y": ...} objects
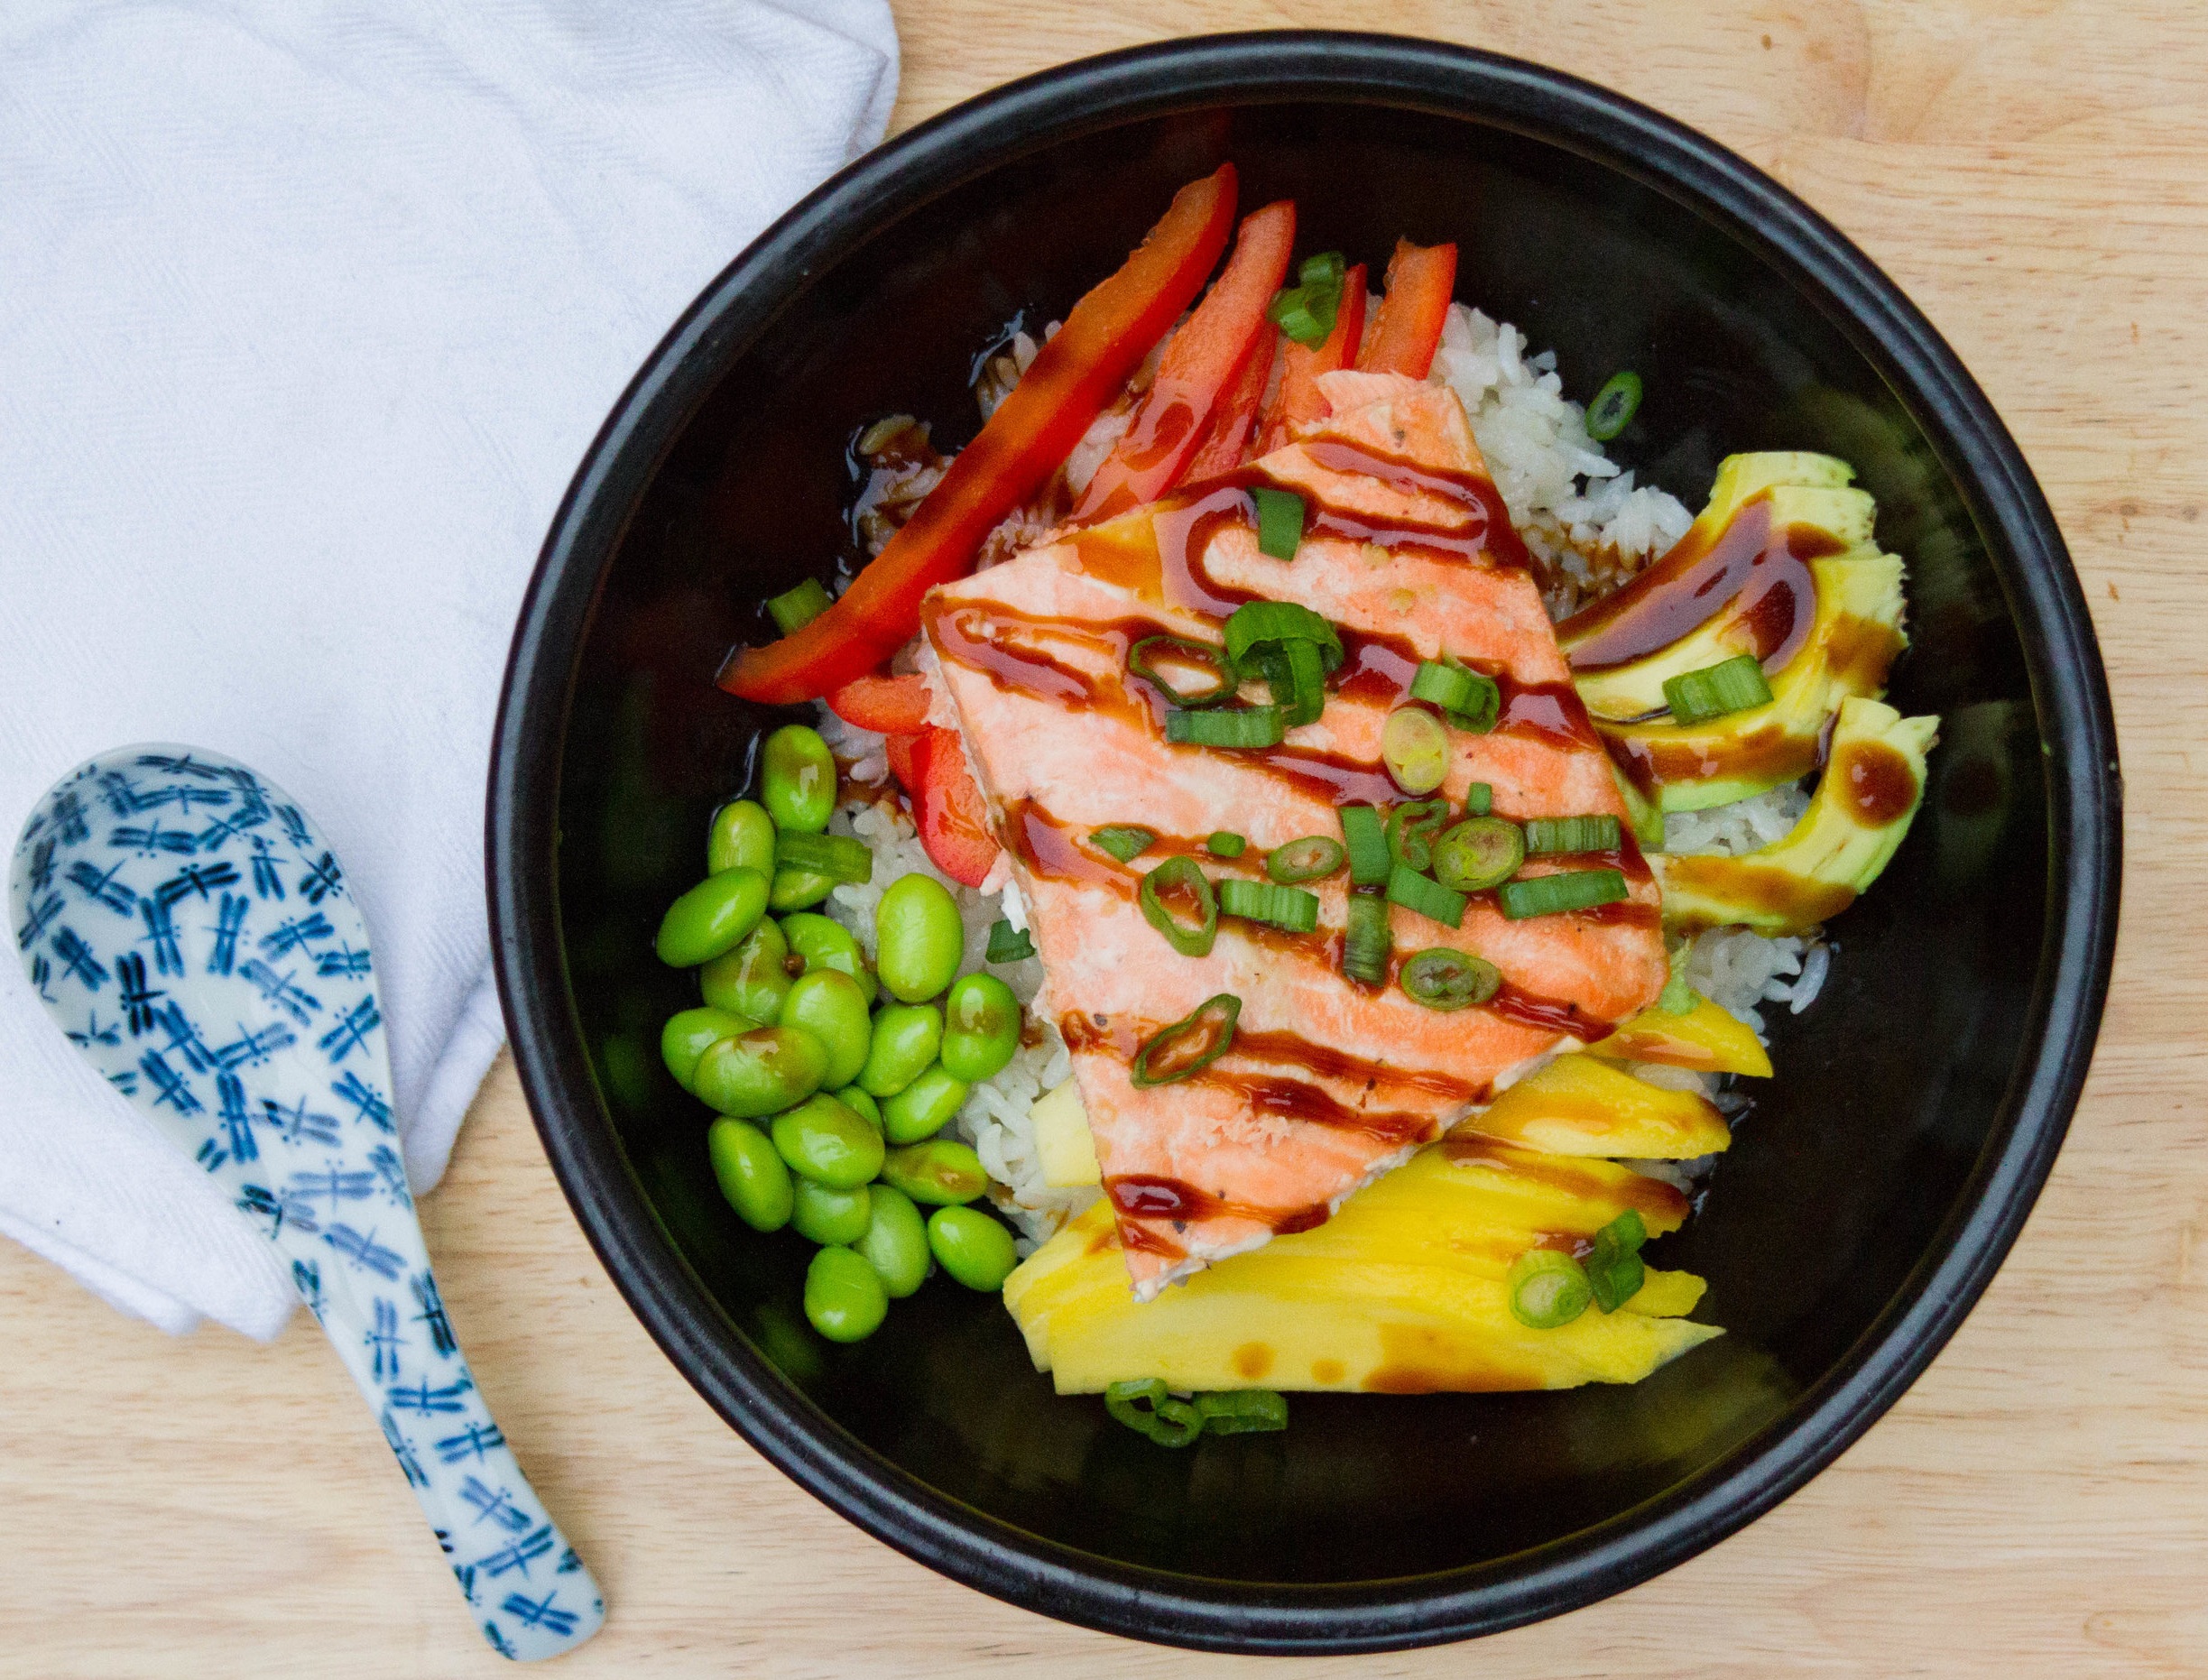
[{"x": 306, "y": 316}]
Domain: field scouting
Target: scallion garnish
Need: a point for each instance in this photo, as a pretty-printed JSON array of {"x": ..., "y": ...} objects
[
  {"x": 1280, "y": 523},
  {"x": 1123, "y": 841},
  {"x": 1614, "y": 1270},
  {"x": 839, "y": 857},
  {"x": 1412, "y": 828},
  {"x": 1415, "y": 892},
  {"x": 1307, "y": 859},
  {"x": 1369, "y": 857},
  {"x": 1469, "y": 700},
  {"x": 1479, "y": 798},
  {"x": 1298, "y": 677},
  {"x": 1305, "y": 311},
  {"x": 1547, "y": 895},
  {"x": 1008, "y": 943},
  {"x": 1365, "y": 942},
  {"x": 1415, "y": 748},
  {"x": 1180, "y": 874},
  {"x": 1197, "y": 1040},
  {"x": 1256, "y": 627},
  {"x": 1143, "y": 657},
  {"x": 1225, "y": 844},
  {"x": 1289, "y": 908},
  {"x": 1479, "y": 853},
  {"x": 1614, "y": 405},
  {"x": 1548, "y": 1289},
  {"x": 1146, "y": 1407},
  {"x": 1245, "y": 726},
  {"x": 1551, "y": 837},
  {"x": 794, "y": 609},
  {"x": 1242, "y": 1411},
  {"x": 1717, "y": 690},
  {"x": 1443, "y": 978}
]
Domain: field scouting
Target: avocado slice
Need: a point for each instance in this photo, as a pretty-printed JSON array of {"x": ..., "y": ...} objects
[{"x": 1873, "y": 782}]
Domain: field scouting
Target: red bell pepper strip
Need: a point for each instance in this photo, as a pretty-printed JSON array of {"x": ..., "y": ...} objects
[
  {"x": 1198, "y": 367},
  {"x": 1298, "y": 401},
  {"x": 889, "y": 705},
  {"x": 948, "y": 808},
  {"x": 1082, "y": 369},
  {"x": 1226, "y": 443},
  {"x": 898, "y": 749},
  {"x": 1421, "y": 279}
]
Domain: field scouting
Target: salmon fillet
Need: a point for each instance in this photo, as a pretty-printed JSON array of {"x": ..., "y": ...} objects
[{"x": 1327, "y": 1084}]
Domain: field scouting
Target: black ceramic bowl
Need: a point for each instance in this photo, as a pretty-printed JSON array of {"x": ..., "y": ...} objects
[{"x": 1881, "y": 1175}]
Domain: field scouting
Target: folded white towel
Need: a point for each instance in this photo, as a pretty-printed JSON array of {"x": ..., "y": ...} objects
[{"x": 308, "y": 314}]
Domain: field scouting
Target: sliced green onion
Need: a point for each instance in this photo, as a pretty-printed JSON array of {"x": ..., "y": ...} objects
[
  {"x": 1245, "y": 726},
  {"x": 839, "y": 857},
  {"x": 1145, "y": 1407},
  {"x": 1242, "y": 1411},
  {"x": 1008, "y": 943},
  {"x": 1142, "y": 661},
  {"x": 1296, "y": 312},
  {"x": 1614, "y": 406},
  {"x": 1551, "y": 837},
  {"x": 1123, "y": 841},
  {"x": 1267, "y": 901},
  {"x": 1547, "y": 895},
  {"x": 1548, "y": 1289},
  {"x": 1366, "y": 944},
  {"x": 1224, "y": 844},
  {"x": 1180, "y": 874},
  {"x": 1412, "y": 828},
  {"x": 1416, "y": 749},
  {"x": 1614, "y": 1270},
  {"x": 1280, "y": 523},
  {"x": 1299, "y": 682},
  {"x": 1479, "y": 853},
  {"x": 1414, "y": 892},
  {"x": 1479, "y": 798},
  {"x": 1323, "y": 268},
  {"x": 1369, "y": 857},
  {"x": 1255, "y": 626},
  {"x": 1307, "y": 859},
  {"x": 1717, "y": 690},
  {"x": 796, "y": 608},
  {"x": 1471, "y": 701},
  {"x": 1442, "y": 978},
  {"x": 1195, "y": 1041}
]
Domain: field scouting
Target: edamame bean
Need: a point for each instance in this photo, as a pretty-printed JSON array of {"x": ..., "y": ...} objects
[
  {"x": 712, "y": 917},
  {"x": 827, "y": 1143},
  {"x": 831, "y": 1006},
  {"x": 751, "y": 1174},
  {"x": 820, "y": 1215},
  {"x": 796, "y": 890},
  {"x": 797, "y": 779},
  {"x": 906, "y": 1038},
  {"x": 820, "y": 942},
  {"x": 918, "y": 938},
  {"x": 690, "y": 1033},
  {"x": 742, "y": 837},
  {"x": 751, "y": 980},
  {"x": 924, "y": 1107},
  {"x": 896, "y": 1241},
  {"x": 843, "y": 1297},
  {"x": 941, "y": 1172},
  {"x": 981, "y": 1027},
  {"x": 760, "y": 1072},
  {"x": 860, "y": 1104},
  {"x": 972, "y": 1247}
]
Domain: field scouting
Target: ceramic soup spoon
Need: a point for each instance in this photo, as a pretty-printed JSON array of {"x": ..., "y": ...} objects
[{"x": 192, "y": 933}]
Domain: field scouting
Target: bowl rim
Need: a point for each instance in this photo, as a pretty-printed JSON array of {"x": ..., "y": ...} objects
[{"x": 2070, "y": 696}]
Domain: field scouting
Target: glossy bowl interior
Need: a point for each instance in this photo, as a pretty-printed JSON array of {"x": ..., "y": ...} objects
[{"x": 1879, "y": 1177}]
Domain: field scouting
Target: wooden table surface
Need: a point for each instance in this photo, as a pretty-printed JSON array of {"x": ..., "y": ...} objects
[{"x": 2035, "y": 176}]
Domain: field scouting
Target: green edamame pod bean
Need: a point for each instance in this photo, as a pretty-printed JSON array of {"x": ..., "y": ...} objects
[
  {"x": 760, "y": 1072},
  {"x": 827, "y": 1143},
  {"x": 860, "y": 1104},
  {"x": 843, "y": 1297},
  {"x": 690, "y": 1033},
  {"x": 941, "y": 1172},
  {"x": 742, "y": 837},
  {"x": 896, "y": 1241},
  {"x": 906, "y": 1038},
  {"x": 797, "y": 779},
  {"x": 751, "y": 980},
  {"x": 796, "y": 890},
  {"x": 981, "y": 1027},
  {"x": 712, "y": 917},
  {"x": 924, "y": 1107},
  {"x": 751, "y": 1175},
  {"x": 918, "y": 938},
  {"x": 820, "y": 942},
  {"x": 972, "y": 1247},
  {"x": 820, "y": 1215},
  {"x": 831, "y": 1006}
]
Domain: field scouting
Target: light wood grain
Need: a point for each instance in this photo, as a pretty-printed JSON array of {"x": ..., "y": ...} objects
[{"x": 2035, "y": 176}]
